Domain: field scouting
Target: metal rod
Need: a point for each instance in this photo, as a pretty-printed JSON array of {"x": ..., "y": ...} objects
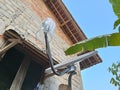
[
  {"x": 72, "y": 61},
  {"x": 70, "y": 79},
  {"x": 51, "y": 60}
]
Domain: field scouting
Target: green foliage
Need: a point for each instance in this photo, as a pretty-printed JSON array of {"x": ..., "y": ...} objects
[
  {"x": 117, "y": 22},
  {"x": 103, "y": 41},
  {"x": 116, "y": 9},
  {"x": 94, "y": 43},
  {"x": 115, "y": 70}
]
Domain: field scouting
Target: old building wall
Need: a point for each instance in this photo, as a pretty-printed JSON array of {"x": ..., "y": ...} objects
[{"x": 25, "y": 16}]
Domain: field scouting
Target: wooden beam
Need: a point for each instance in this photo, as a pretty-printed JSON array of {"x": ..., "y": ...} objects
[
  {"x": 65, "y": 22},
  {"x": 7, "y": 47},
  {"x": 2, "y": 41},
  {"x": 19, "y": 78},
  {"x": 56, "y": 10}
]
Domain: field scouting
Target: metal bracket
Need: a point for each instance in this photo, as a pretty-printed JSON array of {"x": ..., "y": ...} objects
[{"x": 71, "y": 62}]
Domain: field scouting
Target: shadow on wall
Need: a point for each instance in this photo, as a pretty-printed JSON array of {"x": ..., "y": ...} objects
[{"x": 63, "y": 87}]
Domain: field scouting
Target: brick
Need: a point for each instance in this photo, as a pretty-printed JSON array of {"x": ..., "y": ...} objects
[
  {"x": 3, "y": 12},
  {"x": 10, "y": 7},
  {"x": 2, "y": 6}
]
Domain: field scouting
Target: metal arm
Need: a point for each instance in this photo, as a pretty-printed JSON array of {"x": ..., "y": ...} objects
[
  {"x": 51, "y": 60},
  {"x": 71, "y": 73},
  {"x": 67, "y": 70}
]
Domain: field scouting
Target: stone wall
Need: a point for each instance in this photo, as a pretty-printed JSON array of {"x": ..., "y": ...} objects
[{"x": 25, "y": 16}]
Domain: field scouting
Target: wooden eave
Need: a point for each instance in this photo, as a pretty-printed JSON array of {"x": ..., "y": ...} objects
[
  {"x": 70, "y": 28},
  {"x": 29, "y": 49}
]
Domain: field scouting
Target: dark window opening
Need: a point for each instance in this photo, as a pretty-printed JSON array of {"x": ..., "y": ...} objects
[
  {"x": 33, "y": 76},
  {"x": 9, "y": 66}
]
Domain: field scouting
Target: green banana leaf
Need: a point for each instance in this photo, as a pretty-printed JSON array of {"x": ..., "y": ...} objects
[
  {"x": 116, "y": 9},
  {"x": 94, "y": 43}
]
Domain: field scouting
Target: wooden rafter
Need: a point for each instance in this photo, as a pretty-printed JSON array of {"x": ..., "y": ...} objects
[
  {"x": 56, "y": 9},
  {"x": 12, "y": 43},
  {"x": 65, "y": 22}
]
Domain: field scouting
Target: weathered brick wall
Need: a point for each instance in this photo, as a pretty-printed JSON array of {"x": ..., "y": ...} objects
[{"x": 25, "y": 16}]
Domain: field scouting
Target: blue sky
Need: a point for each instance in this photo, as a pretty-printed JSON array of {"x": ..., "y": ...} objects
[{"x": 96, "y": 17}]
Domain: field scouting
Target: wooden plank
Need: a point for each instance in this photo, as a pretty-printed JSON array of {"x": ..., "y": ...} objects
[
  {"x": 19, "y": 78},
  {"x": 7, "y": 47},
  {"x": 56, "y": 10},
  {"x": 65, "y": 22},
  {"x": 2, "y": 41}
]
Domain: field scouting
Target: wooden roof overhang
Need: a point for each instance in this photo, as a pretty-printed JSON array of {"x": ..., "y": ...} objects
[
  {"x": 70, "y": 28},
  {"x": 29, "y": 49}
]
